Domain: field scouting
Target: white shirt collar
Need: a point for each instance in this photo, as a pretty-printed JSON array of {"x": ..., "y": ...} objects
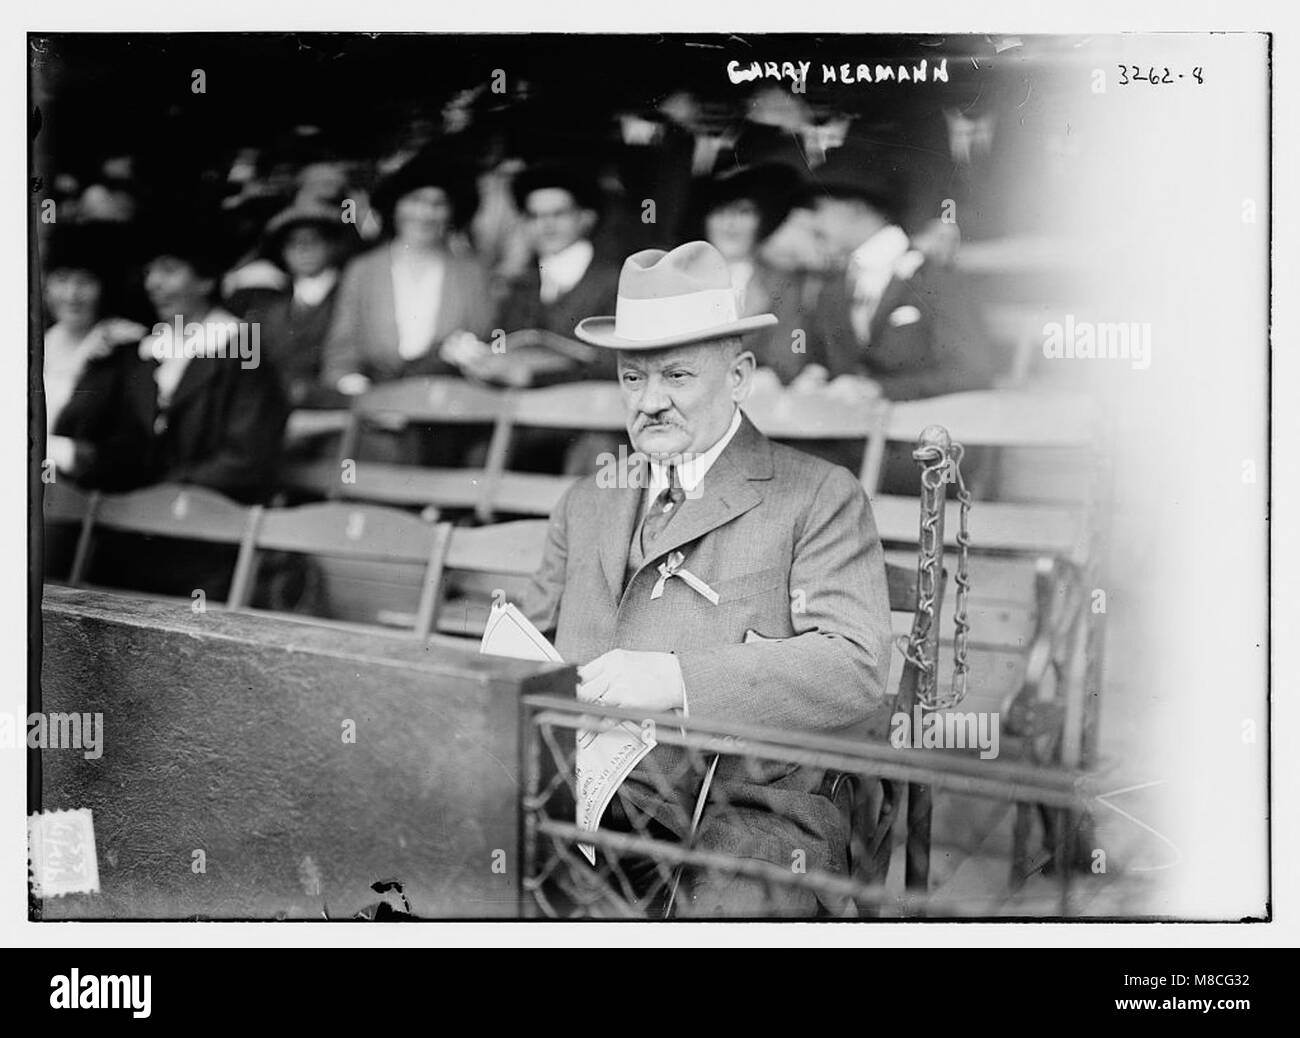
[
  {"x": 174, "y": 358},
  {"x": 692, "y": 470},
  {"x": 311, "y": 291},
  {"x": 216, "y": 325},
  {"x": 559, "y": 273},
  {"x": 874, "y": 260}
]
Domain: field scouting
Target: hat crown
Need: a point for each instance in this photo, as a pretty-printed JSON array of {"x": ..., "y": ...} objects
[
  {"x": 655, "y": 274},
  {"x": 673, "y": 299}
]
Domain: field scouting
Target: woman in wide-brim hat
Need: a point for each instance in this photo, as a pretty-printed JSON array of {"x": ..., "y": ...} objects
[
  {"x": 399, "y": 302},
  {"x": 84, "y": 277},
  {"x": 428, "y": 176}
]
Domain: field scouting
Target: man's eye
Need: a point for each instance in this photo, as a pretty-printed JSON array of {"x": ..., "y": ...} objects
[{"x": 679, "y": 376}]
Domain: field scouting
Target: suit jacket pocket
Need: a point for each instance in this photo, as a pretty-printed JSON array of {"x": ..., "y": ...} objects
[{"x": 736, "y": 588}]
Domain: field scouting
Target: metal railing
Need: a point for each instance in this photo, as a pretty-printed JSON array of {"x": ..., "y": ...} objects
[{"x": 647, "y": 866}]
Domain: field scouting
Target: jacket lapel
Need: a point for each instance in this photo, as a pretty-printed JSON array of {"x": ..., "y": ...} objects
[
  {"x": 898, "y": 291},
  {"x": 616, "y": 537},
  {"x": 142, "y": 390},
  {"x": 728, "y": 491},
  {"x": 198, "y": 372},
  {"x": 383, "y": 303},
  {"x": 201, "y": 370}
]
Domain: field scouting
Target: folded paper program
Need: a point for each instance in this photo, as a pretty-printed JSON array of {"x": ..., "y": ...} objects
[{"x": 604, "y": 758}]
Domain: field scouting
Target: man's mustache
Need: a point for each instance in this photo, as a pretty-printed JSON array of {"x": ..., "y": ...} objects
[{"x": 654, "y": 421}]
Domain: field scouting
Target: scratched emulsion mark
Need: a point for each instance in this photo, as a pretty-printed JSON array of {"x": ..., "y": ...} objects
[
  {"x": 309, "y": 876},
  {"x": 1104, "y": 798}
]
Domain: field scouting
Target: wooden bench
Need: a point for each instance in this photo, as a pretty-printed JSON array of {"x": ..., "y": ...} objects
[{"x": 393, "y": 407}]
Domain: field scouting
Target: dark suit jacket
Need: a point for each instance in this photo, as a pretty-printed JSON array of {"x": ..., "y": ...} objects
[
  {"x": 222, "y": 429},
  {"x": 789, "y": 544},
  {"x": 363, "y": 336},
  {"x": 595, "y": 293},
  {"x": 293, "y": 340},
  {"x": 927, "y": 337},
  {"x": 785, "y": 293}
]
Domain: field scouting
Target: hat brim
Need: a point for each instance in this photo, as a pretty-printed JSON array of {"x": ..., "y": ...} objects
[
  {"x": 278, "y": 226},
  {"x": 599, "y": 331}
]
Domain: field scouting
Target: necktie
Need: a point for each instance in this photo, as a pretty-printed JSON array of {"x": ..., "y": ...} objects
[{"x": 662, "y": 510}]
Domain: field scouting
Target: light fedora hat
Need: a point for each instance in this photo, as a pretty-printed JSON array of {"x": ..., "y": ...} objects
[{"x": 672, "y": 299}]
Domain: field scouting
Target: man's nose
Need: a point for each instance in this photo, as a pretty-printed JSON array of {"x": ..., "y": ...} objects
[{"x": 654, "y": 400}]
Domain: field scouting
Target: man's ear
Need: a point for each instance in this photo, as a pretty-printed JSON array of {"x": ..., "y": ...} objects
[
  {"x": 587, "y": 222},
  {"x": 742, "y": 374}
]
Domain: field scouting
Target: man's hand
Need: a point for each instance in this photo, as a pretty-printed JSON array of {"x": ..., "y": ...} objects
[
  {"x": 353, "y": 385},
  {"x": 462, "y": 348},
  {"x": 650, "y": 681}
]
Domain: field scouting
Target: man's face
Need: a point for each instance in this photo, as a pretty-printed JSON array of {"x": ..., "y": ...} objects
[
  {"x": 555, "y": 220},
  {"x": 840, "y": 226},
  {"x": 175, "y": 287},
  {"x": 306, "y": 252},
  {"x": 680, "y": 400},
  {"x": 72, "y": 296}
]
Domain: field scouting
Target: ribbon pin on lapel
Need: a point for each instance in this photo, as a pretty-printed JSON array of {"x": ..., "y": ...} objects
[{"x": 672, "y": 567}]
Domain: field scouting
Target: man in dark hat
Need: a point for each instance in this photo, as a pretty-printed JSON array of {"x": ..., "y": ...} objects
[
  {"x": 718, "y": 574},
  {"x": 889, "y": 319},
  {"x": 568, "y": 280},
  {"x": 562, "y": 207}
]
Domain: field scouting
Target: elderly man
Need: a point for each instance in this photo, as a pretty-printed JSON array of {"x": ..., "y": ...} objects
[{"x": 784, "y": 620}]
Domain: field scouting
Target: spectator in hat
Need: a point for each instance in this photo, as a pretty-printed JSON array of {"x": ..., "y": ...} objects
[
  {"x": 400, "y": 301},
  {"x": 889, "y": 321},
  {"x": 191, "y": 402},
  {"x": 738, "y": 211},
  {"x": 562, "y": 207},
  {"x": 565, "y": 282},
  {"x": 202, "y": 406},
  {"x": 81, "y": 304},
  {"x": 307, "y": 242}
]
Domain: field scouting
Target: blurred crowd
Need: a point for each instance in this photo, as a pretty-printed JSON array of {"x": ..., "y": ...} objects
[{"x": 449, "y": 258}]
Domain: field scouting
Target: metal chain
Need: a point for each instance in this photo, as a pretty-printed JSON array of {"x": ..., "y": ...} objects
[
  {"x": 961, "y": 626},
  {"x": 938, "y": 468}
]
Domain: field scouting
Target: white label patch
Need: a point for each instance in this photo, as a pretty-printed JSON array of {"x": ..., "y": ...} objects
[{"x": 61, "y": 853}]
